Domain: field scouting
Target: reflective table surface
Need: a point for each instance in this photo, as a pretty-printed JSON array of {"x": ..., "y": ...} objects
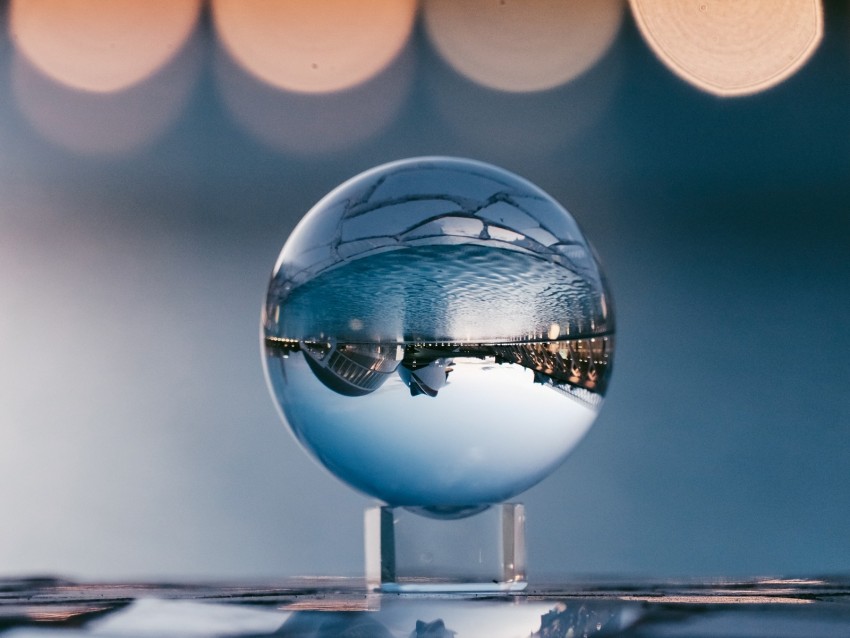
[{"x": 45, "y": 608}]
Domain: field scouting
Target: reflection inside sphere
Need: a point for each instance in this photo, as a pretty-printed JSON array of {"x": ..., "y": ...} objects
[
  {"x": 577, "y": 367},
  {"x": 438, "y": 334}
]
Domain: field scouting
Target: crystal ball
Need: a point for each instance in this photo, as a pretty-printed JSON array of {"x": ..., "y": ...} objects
[{"x": 438, "y": 333}]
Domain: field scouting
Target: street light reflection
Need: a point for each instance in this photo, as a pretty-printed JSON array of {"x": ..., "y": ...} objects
[
  {"x": 314, "y": 47},
  {"x": 522, "y": 46},
  {"x": 101, "y": 45},
  {"x": 731, "y": 47}
]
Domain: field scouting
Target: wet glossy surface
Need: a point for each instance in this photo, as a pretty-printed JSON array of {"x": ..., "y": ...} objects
[{"x": 336, "y": 607}]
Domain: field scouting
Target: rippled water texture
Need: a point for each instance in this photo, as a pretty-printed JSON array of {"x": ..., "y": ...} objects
[{"x": 442, "y": 293}]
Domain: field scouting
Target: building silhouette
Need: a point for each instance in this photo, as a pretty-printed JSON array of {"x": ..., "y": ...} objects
[{"x": 579, "y": 368}]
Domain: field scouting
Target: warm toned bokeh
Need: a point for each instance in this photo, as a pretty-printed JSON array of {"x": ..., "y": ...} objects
[
  {"x": 101, "y": 45},
  {"x": 314, "y": 47},
  {"x": 114, "y": 123},
  {"x": 522, "y": 46},
  {"x": 731, "y": 47},
  {"x": 313, "y": 123}
]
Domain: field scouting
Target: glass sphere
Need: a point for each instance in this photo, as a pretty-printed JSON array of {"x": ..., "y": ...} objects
[{"x": 438, "y": 334}]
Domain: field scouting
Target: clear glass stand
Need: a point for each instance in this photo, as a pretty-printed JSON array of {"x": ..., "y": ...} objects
[{"x": 410, "y": 550}]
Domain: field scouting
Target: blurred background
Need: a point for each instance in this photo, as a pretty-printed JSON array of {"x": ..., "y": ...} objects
[{"x": 155, "y": 154}]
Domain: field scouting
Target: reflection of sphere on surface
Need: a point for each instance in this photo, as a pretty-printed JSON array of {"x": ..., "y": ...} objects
[
  {"x": 731, "y": 47},
  {"x": 317, "y": 46},
  {"x": 522, "y": 46},
  {"x": 101, "y": 45},
  {"x": 438, "y": 333}
]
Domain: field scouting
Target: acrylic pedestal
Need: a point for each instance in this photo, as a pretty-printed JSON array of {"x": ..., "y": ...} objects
[{"x": 411, "y": 551}]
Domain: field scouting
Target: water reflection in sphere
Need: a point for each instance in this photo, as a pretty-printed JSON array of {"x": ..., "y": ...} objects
[{"x": 438, "y": 333}]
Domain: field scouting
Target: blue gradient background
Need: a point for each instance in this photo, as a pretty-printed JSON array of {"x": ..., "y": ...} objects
[{"x": 137, "y": 437}]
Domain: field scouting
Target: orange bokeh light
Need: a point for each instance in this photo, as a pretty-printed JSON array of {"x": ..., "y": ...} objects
[
  {"x": 531, "y": 45},
  {"x": 731, "y": 47},
  {"x": 116, "y": 123},
  {"x": 318, "y": 46},
  {"x": 313, "y": 124},
  {"x": 101, "y": 45}
]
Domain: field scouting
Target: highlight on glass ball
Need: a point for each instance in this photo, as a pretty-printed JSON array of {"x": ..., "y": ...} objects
[{"x": 438, "y": 334}]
